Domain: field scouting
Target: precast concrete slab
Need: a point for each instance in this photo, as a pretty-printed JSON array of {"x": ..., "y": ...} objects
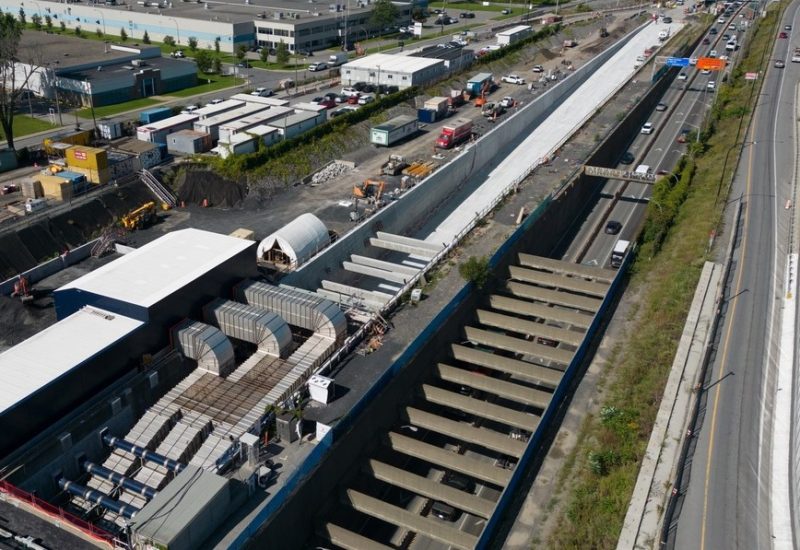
[
  {"x": 428, "y": 488},
  {"x": 445, "y": 458},
  {"x": 557, "y": 297},
  {"x": 538, "y": 374},
  {"x": 350, "y": 301},
  {"x": 490, "y": 439},
  {"x": 344, "y": 538},
  {"x": 377, "y": 273},
  {"x": 435, "y": 248},
  {"x": 435, "y": 530},
  {"x": 483, "y": 409},
  {"x": 394, "y": 246},
  {"x": 550, "y": 280},
  {"x": 531, "y": 328},
  {"x": 514, "y": 392},
  {"x": 517, "y": 345},
  {"x": 540, "y": 311},
  {"x": 561, "y": 267},
  {"x": 355, "y": 292},
  {"x": 380, "y": 264}
]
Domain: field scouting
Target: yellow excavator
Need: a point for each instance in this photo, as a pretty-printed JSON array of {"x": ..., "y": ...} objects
[{"x": 139, "y": 218}]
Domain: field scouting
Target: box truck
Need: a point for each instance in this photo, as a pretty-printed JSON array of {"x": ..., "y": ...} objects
[
  {"x": 452, "y": 134},
  {"x": 337, "y": 59}
]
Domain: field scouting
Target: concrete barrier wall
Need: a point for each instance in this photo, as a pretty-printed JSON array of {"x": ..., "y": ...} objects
[
  {"x": 50, "y": 267},
  {"x": 406, "y": 216}
]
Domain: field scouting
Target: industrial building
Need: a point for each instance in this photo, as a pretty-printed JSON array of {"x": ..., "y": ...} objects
[
  {"x": 303, "y": 27},
  {"x": 455, "y": 59},
  {"x": 403, "y": 71},
  {"x": 68, "y": 68}
]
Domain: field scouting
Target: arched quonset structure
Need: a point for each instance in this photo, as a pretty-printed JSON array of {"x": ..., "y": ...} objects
[{"x": 294, "y": 243}]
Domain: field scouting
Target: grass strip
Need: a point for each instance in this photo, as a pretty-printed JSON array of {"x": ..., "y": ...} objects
[
  {"x": 672, "y": 251},
  {"x": 110, "y": 110},
  {"x": 25, "y": 125}
]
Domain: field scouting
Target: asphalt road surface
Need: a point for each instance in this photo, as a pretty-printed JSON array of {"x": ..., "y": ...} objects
[{"x": 727, "y": 502}]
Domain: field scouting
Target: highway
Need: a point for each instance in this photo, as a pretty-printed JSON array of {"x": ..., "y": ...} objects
[{"x": 727, "y": 501}]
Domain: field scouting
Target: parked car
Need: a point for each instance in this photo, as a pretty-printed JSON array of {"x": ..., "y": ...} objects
[
  {"x": 459, "y": 481},
  {"x": 350, "y": 91},
  {"x": 9, "y": 188},
  {"x": 345, "y": 110},
  {"x": 366, "y": 98},
  {"x": 647, "y": 128},
  {"x": 506, "y": 11},
  {"x": 318, "y": 66},
  {"x": 613, "y": 227},
  {"x": 513, "y": 79},
  {"x": 444, "y": 512},
  {"x": 189, "y": 109},
  {"x": 178, "y": 53},
  {"x": 326, "y": 102},
  {"x": 262, "y": 92},
  {"x": 537, "y": 69},
  {"x": 507, "y": 102}
]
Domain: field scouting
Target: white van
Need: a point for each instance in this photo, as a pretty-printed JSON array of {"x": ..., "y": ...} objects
[{"x": 643, "y": 170}]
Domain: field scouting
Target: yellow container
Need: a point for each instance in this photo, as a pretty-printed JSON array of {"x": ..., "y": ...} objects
[
  {"x": 55, "y": 187},
  {"x": 80, "y": 156},
  {"x": 98, "y": 177},
  {"x": 81, "y": 137}
]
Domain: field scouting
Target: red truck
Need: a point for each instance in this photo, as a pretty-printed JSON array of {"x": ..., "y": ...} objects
[{"x": 456, "y": 132}]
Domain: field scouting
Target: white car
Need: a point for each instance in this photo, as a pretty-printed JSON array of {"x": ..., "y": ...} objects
[
  {"x": 537, "y": 69},
  {"x": 189, "y": 109},
  {"x": 712, "y": 53},
  {"x": 692, "y": 61},
  {"x": 721, "y": 20},
  {"x": 712, "y": 85},
  {"x": 705, "y": 71},
  {"x": 366, "y": 98},
  {"x": 319, "y": 66},
  {"x": 507, "y": 102},
  {"x": 682, "y": 76},
  {"x": 647, "y": 128},
  {"x": 350, "y": 92},
  {"x": 513, "y": 79}
]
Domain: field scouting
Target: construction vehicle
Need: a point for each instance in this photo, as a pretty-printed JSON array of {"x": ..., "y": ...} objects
[
  {"x": 22, "y": 289},
  {"x": 486, "y": 88},
  {"x": 370, "y": 189},
  {"x": 603, "y": 32},
  {"x": 394, "y": 165},
  {"x": 452, "y": 134},
  {"x": 139, "y": 218}
]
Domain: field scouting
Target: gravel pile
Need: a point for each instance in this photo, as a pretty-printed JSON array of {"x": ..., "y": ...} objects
[
  {"x": 198, "y": 185},
  {"x": 331, "y": 171}
]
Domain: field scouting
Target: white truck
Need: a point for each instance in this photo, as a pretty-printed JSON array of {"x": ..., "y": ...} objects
[
  {"x": 337, "y": 59},
  {"x": 618, "y": 254}
]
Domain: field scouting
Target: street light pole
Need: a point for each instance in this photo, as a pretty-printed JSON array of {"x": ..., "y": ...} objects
[
  {"x": 177, "y": 29},
  {"x": 103, "y": 18}
]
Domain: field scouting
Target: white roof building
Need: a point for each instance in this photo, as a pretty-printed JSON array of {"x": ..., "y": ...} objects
[
  {"x": 402, "y": 71},
  {"x": 295, "y": 242}
]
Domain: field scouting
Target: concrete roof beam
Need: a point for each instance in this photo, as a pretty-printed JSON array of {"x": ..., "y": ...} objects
[
  {"x": 572, "y": 284},
  {"x": 509, "y": 390},
  {"x": 402, "y": 247},
  {"x": 540, "y": 311},
  {"x": 483, "y": 409},
  {"x": 540, "y": 375},
  {"x": 556, "y": 297},
  {"x": 377, "y": 273},
  {"x": 531, "y": 328},
  {"x": 567, "y": 268},
  {"x": 349, "y": 540},
  {"x": 517, "y": 345},
  {"x": 380, "y": 264}
]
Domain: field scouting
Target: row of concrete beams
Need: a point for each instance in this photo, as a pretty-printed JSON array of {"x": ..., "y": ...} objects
[
  {"x": 481, "y": 408},
  {"x": 538, "y": 374},
  {"x": 540, "y": 311},
  {"x": 551, "y": 280},
  {"x": 445, "y": 458},
  {"x": 530, "y": 328},
  {"x": 555, "y": 297},
  {"x": 567, "y": 268},
  {"x": 428, "y": 488},
  {"x": 401, "y": 517},
  {"x": 407, "y": 245},
  {"x": 517, "y": 345},
  {"x": 509, "y": 390},
  {"x": 344, "y": 538},
  {"x": 484, "y": 437}
]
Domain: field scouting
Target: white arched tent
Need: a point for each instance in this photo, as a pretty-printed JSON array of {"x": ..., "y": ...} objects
[{"x": 295, "y": 242}]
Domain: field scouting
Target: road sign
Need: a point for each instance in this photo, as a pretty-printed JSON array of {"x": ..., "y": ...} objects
[
  {"x": 677, "y": 62},
  {"x": 710, "y": 63},
  {"x": 751, "y": 76}
]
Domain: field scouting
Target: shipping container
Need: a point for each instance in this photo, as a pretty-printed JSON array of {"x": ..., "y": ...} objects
[
  {"x": 97, "y": 177},
  {"x": 211, "y": 124},
  {"x": 8, "y": 160},
  {"x": 154, "y": 115},
  {"x": 229, "y": 129},
  {"x": 427, "y": 116},
  {"x": 110, "y": 130},
  {"x": 438, "y": 104},
  {"x": 92, "y": 158},
  {"x": 478, "y": 82},
  {"x": 188, "y": 142},
  {"x": 394, "y": 130},
  {"x": 78, "y": 137},
  {"x": 514, "y": 34}
]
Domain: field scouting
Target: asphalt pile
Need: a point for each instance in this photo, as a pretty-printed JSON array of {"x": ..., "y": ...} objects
[{"x": 204, "y": 187}]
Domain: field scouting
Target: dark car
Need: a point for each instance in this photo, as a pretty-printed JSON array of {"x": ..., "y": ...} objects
[
  {"x": 683, "y": 137},
  {"x": 666, "y": 19},
  {"x": 466, "y": 15},
  {"x": 243, "y": 65},
  {"x": 783, "y": 35},
  {"x": 627, "y": 158},
  {"x": 458, "y": 481},
  {"x": 706, "y": 41},
  {"x": 713, "y": 31},
  {"x": 359, "y": 86},
  {"x": 445, "y": 512},
  {"x": 613, "y": 227}
]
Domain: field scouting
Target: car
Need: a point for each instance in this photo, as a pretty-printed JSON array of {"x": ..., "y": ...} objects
[
  {"x": 9, "y": 188},
  {"x": 466, "y": 15},
  {"x": 507, "y": 102},
  {"x": 683, "y": 136},
  {"x": 787, "y": 27},
  {"x": 178, "y": 53},
  {"x": 537, "y": 69},
  {"x": 444, "y": 512},
  {"x": 613, "y": 227},
  {"x": 661, "y": 107},
  {"x": 712, "y": 53},
  {"x": 506, "y": 11},
  {"x": 513, "y": 79},
  {"x": 732, "y": 27},
  {"x": 437, "y": 11},
  {"x": 724, "y": 58},
  {"x": 349, "y": 91},
  {"x": 692, "y": 61},
  {"x": 346, "y": 110},
  {"x": 326, "y": 102},
  {"x": 726, "y": 37},
  {"x": 353, "y": 99},
  {"x": 627, "y": 158},
  {"x": 706, "y": 41},
  {"x": 682, "y": 76},
  {"x": 189, "y": 109},
  {"x": 459, "y": 481},
  {"x": 712, "y": 85},
  {"x": 262, "y": 92},
  {"x": 779, "y": 64},
  {"x": 217, "y": 101},
  {"x": 705, "y": 71},
  {"x": 366, "y": 98},
  {"x": 666, "y": 19},
  {"x": 318, "y": 66},
  {"x": 783, "y": 35},
  {"x": 721, "y": 20},
  {"x": 713, "y": 31},
  {"x": 796, "y": 56},
  {"x": 243, "y": 64},
  {"x": 647, "y": 128}
]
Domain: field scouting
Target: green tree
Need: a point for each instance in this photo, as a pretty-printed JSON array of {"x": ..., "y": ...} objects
[
  {"x": 217, "y": 65},
  {"x": 193, "y": 43},
  {"x": 16, "y": 69},
  {"x": 22, "y": 16},
  {"x": 282, "y": 53},
  {"x": 241, "y": 51},
  {"x": 78, "y": 31},
  {"x": 418, "y": 14},
  {"x": 146, "y": 37},
  {"x": 216, "y": 45},
  {"x": 36, "y": 19},
  {"x": 264, "y": 54},
  {"x": 98, "y": 32},
  {"x": 48, "y": 22},
  {"x": 169, "y": 41},
  {"x": 204, "y": 60},
  {"x": 383, "y": 15},
  {"x": 62, "y": 26},
  {"x": 123, "y": 34},
  {"x": 476, "y": 270}
]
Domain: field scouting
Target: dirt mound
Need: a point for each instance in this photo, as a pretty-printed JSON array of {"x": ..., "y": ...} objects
[{"x": 197, "y": 185}]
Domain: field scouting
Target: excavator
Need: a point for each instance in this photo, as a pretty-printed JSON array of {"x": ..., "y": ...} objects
[
  {"x": 480, "y": 101},
  {"x": 370, "y": 189},
  {"x": 139, "y": 218},
  {"x": 22, "y": 290}
]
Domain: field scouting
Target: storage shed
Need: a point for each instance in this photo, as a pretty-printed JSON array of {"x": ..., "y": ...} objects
[
  {"x": 402, "y": 71},
  {"x": 188, "y": 142},
  {"x": 294, "y": 243},
  {"x": 298, "y": 123}
]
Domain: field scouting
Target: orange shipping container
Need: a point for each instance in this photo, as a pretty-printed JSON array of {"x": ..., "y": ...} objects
[{"x": 80, "y": 156}]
